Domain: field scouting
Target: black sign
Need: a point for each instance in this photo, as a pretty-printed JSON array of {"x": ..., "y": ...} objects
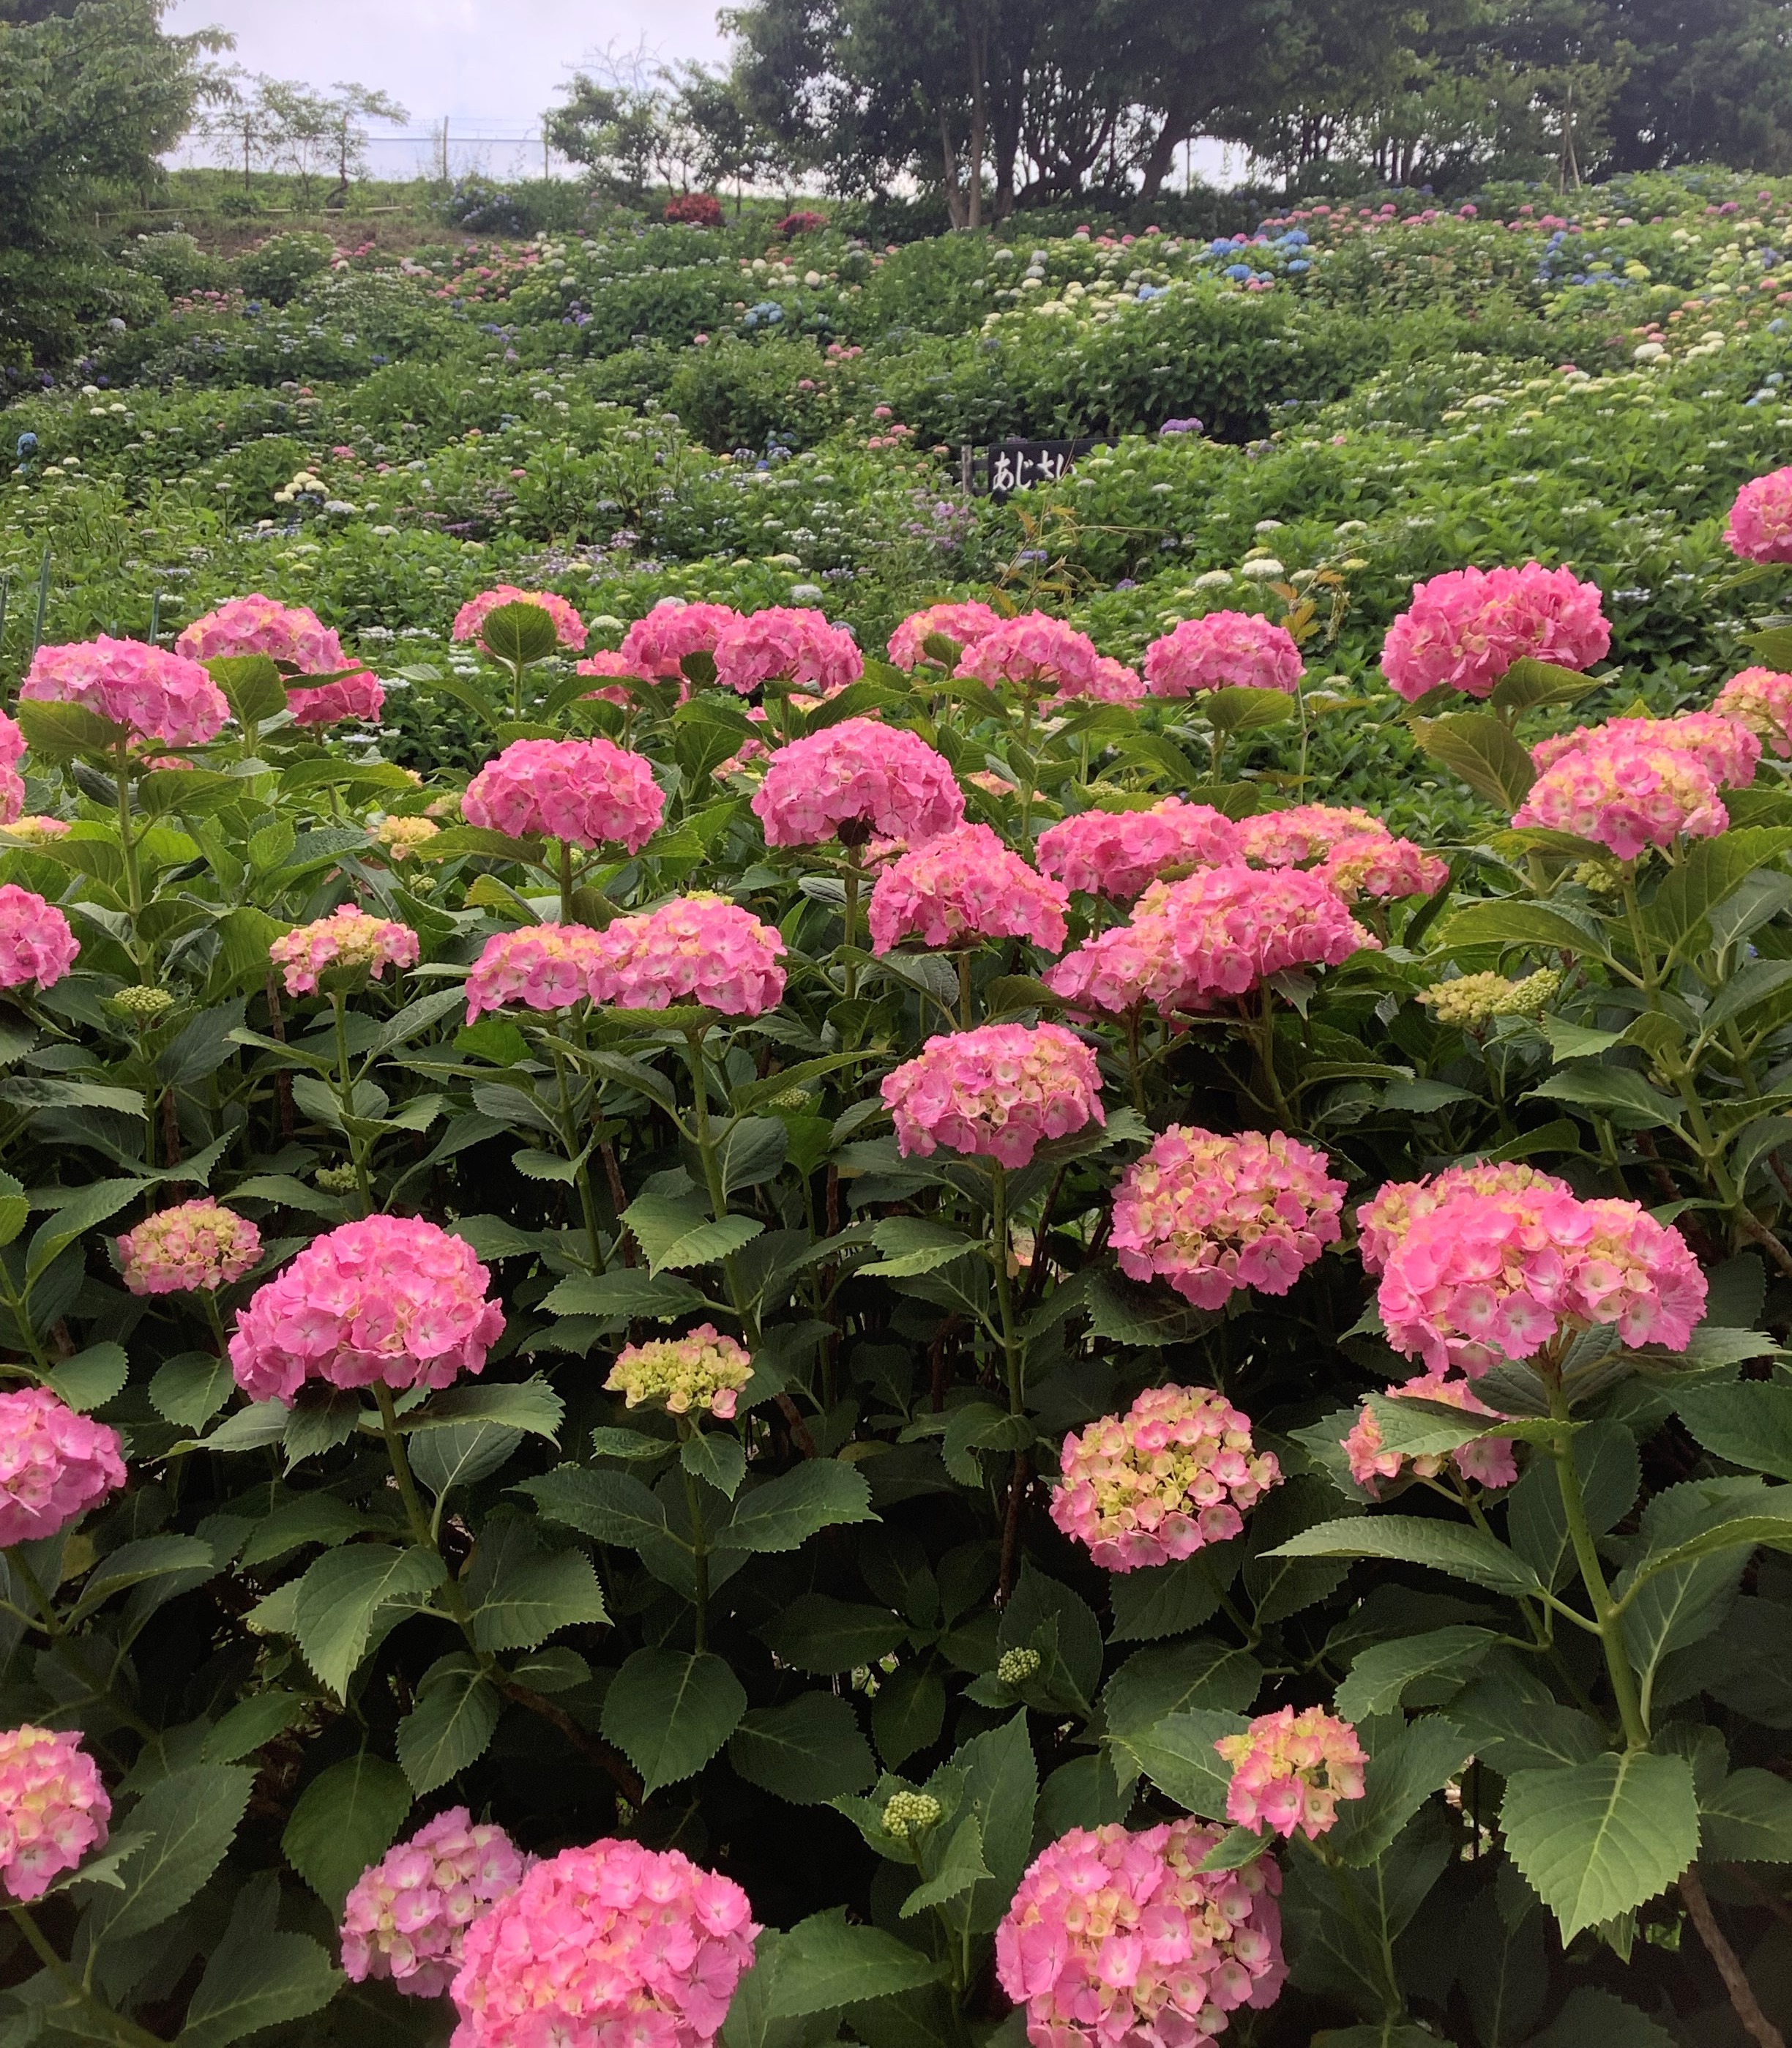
[{"x": 1015, "y": 465}]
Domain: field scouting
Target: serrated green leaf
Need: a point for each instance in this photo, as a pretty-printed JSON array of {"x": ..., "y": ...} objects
[
  {"x": 824, "y": 1964},
  {"x": 1482, "y": 750},
  {"x": 1445, "y": 1546},
  {"x": 348, "y": 1599},
  {"x": 346, "y": 1818},
  {"x": 1601, "y": 1838},
  {"x": 191, "y": 1819},
  {"x": 449, "y": 1728},
  {"x": 809, "y": 1751},
  {"x": 669, "y": 1713},
  {"x": 256, "y": 1976},
  {"x": 1380, "y": 1674},
  {"x": 784, "y": 1512}
]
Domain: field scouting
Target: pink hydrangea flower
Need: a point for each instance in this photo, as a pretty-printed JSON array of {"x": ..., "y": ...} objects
[
  {"x": 657, "y": 645},
  {"x": 1223, "y": 650},
  {"x": 391, "y": 1298},
  {"x": 1117, "y": 1940},
  {"x": 617, "y": 665},
  {"x": 1378, "y": 865},
  {"x": 1171, "y": 1475},
  {"x": 1480, "y": 1278},
  {"x": 1000, "y": 1091},
  {"x": 614, "y": 1943},
  {"x": 789, "y": 645},
  {"x": 11, "y": 783},
  {"x": 568, "y": 628},
  {"x": 1303, "y": 833},
  {"x": 964, "y": 886},
  {"x": 348, "y": 941},
  {"x": 1466, "y": 628},
  {"x": 1290, "y": 1771},
  {"x": 1489, "y": 1461},
  {"x": 195, "y": 1245},
  {"x": 962, "y": 623},
  {"x": 1116, "y": 854},
  {"x": 1627, "y": 795},
  {"x": 702, "y": 1372},
  {"x": 1727, "y": 750},
  {"x": 360, "y": 695},
  {"x": 1384, "y": 1221},
  {"x": 35, "y": 943},
  {"x": 1036, "y": 652},
  {"x": 543, "y": 967},
  {"x": 583, "y": 792},
  {"x": 54, "y": 1464},
  {"x": 1113, "y": 683},
  {"x": 1759, "y": 527},
  {"x": 857, "y": 781},
  {"x": 697, "y": 949},
  {"x": 407, "y": 1917},
  {"x": 287, "y": 634},
  {"x": 1761, "y": 699},
  {"x": 53, "y": 1809},
  {"x": 157, "y": 695},
  {"x": 1211, "y": 1215}
]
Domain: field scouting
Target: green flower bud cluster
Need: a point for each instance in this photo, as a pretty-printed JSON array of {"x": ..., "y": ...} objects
[
  {"x": 143, "y": 1005},
  {"x": 911, "y": 1814},
  {"x": 1016, "y": 1667},
  {"x": 1472, "y": 1001}
]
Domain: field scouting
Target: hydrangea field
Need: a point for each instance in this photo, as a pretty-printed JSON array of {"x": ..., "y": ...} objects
[{"x": 786, "y": 1259}]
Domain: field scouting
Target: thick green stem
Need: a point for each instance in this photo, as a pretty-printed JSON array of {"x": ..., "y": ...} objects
[
  {"x": 113, "y": 2025},
  {"x": 714, "y": 1185},
  {"x": 1593, "y": 1576},
  {"x": 1264, "y": 1033},
  {"x": 345, "y": 1096},
  {"x": 1004, "y": 1290},
  {"x": 963, "y": 990},
  {"x": 582, "y": 1172},
  {"x": 127, "y": 850},
  {"x": 699, "y": 1545},
  {"x": 422, "y": 1529},
  {"x": 566, "y": 882},
  {"x": 849, "y": 973}
]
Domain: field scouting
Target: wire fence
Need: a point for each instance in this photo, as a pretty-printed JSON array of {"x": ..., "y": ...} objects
[{"x": 445, "y": 149}]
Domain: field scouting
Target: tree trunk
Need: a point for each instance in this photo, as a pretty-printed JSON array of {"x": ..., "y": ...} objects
[
  {"x": 949, "y": 155},
  {"x": 977, "y": 39},
  {"x": 1175, "y": 131}
]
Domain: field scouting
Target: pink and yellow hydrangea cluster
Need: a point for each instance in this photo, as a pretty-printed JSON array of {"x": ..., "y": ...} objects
[
  {"x": 568, "y": 628},
  {"x": 1466, "y": 628},
  {"x": 1174, "y": 1473},
  {"x": 787, "y": 643},
  {"x": 1384, "y": 1221},
  {"x": 53, "y": 1809},
  {"x": 1037, "y": 653},
  {"x": 349, "y": 941},
  {"x": 1759, "y": 527},
  {"x": 696, "y": 948},
  {"x": 1222, "y": 651},
  {"x": 36, "y": 945},
  {"x": 963, "y": 886},
  {"x": 153, "y": 693},
  {"x": 407, "y": 1917},
  {"x": 1001, "y": 1092},
  {"x": 1118, "y": 1940},
  {"x": 584, "y": 793},
  {"x": 1289, "y": 1770},
  {"x": 1724, "y": 747},
  {"x": 391, "y": 1298},
  {"x": 195, "y": 1245},
  {"x": 543, "y": 967},
  {"x": 1628, "y": 793},
  {"x": 54, "y": 1464},
  {"x": 857, "y": 780},
  {"x": 963, "y": 624},
  {"x": 1354, "y": 851},
  {"x": 702, "y": 1371},
  {"x": 1118, "y": 854},
  {"x": 657, "y": 645},
  {"x": 613, "y": 1944},
  {"x": 1761, "y": 699},
  {"x": 1489, "y": 1461},
  {"x": 1301, "y": 835},
  {"x": 286, "y": 634},
  {"x": 11, "y": 783},
  {"x": 1211, "y": 1214},
  {"x": 1113, "y": 683}
]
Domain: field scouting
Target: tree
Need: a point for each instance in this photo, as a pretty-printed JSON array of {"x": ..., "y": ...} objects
[
  {"x": 732, "y": 147},
  {"x": 351, "y": 108}
]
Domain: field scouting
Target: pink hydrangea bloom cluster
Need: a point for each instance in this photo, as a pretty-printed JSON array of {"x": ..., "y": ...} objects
[
  {"x": 1481, "y": 1278},
  {"x": 1289, "y": 1770},
  {"x": 1377, "y": 864},
  {"x": 568, "y": 628},
  {"x": 54, "y": 1464},
  {"x": 583, "y": 792},
  {"x": 1118, "y": 1940},
  {"x": 787, "y": 643},
  {"x": 1489, "y": 1462},
  {"x": 697, "y": 949},
  {"x": 195, "y": 1245},
  {"x": 963, "y": 624},
  {"x": 1724, "y": 747},
  {"x": 360, "y": 695},
  {"x": 1627, "y": 795},
  {"x": 963, "y": 886},
  {"x": 543, "y": 967},
  {"x": 1116, "y": 854},
  {"x": 1384, "y": 1221},
  {"x": 35, "y": 943},
  {"x": 1223, "y": 650},
  {"x": 617, "y": 665},
  {"x": 391, "y": 1298},
  {"x": 605, "y": 1947},
  {"x": 1466, "y": 628},
  {"x": 1761, "y": 699},
  {"x": 1759, "y": 527},
  {"x": 155, "y": 694},
  {"x": 1302, "y": 834},
  {"x": 857, "y": 779},
  {"x": 1000, "y": 1091},
  {"x": 1036, "y": 652},
  {"x": 53, "y": 1809},
  {"x": 701, "y": 1372},
  {"x": 348, "y": 941},
  {"x": 1213, "y": 1214},
  {"x": 657, "y": 645},
  {"x": 11, "y": 783},
  {"x": 1113, "y": 683},
  {"x": 407, "y": 1917},
  {"x": 1172, "y": 1474},
  {"x": 287, "y": 634}
]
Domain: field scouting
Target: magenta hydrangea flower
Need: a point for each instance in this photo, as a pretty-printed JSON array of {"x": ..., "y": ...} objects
[
  {"x": 155, "y": 694},
  {"x": 1000, "y": 1091},
  {"x": 697, "y": 949},
  {"x": 1118, "y": 1940},
  {"x": 568, "y": 628},
  {"x": 1489, "y": 1461},
  {"x": 391, "y": 1298},
  {"x": 857, "y": 781},
  {"x": 1118, "y": 854},
  {"x": 1759, "y": 527},
  {"x": 657, "y": 645},
  {"x": 963, "y": 886},
  {"x": 11, "y": 783},
  {"x": 1466, "y": 628},
  {"x": 54, "y": 1464},
  {"x": 963, "y": 623},
  {"x": 1761, "y": 701},
  {"x": 1627, "y": 795},
  {"x": 35, "y": 943},
  {"x": 614, "y": 1943},
  {"x": 1223, "y": 650},
  {"x": 543, "y": 967},
  {"x": 586, "y": 793},
  {"x": 1289, "y": 1770},
  {"x": 349, "y": 941},
  {"x": 407, "y": 1917},
  {"x": 1035, "y": 653},
  {"x": 360, "y": 695},
  {"x": 702, "y": 1372},
  {"x": 287, "y": 634},
  {"x": 1174, "y": 1474},
  {"x": 53, "y": 1809},
  {"x": 194, "y": 1245},
  {"x": 1384, "y": 1221},
  {"x": 1211, "y": 1215},
  {"x": 790, "y": 644},
  {"x": 1303, "y": 833}
]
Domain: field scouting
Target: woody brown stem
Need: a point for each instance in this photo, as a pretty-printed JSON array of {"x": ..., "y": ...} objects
[{"x": 1743, "y": 2002}]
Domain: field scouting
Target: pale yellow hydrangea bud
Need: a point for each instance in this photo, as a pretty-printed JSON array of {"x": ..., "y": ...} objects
[
  {"x": 911, "y": 1814},
  {"x": 1015, "y": 1666},
  {"x": 701, "y": 1370},
  {"x": 402, "y": 837},
  {"x": 1472, "y": 1001},
  {"x": 142, "y": 1006}
]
